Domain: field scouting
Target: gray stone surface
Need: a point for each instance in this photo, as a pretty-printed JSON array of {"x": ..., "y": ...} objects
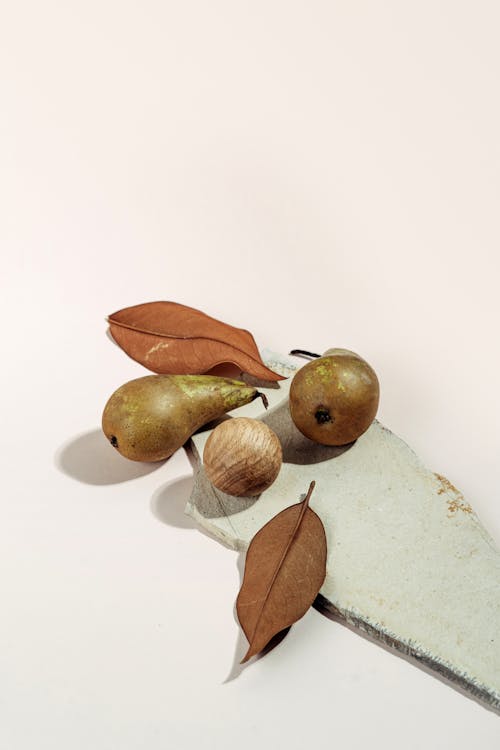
[{"x": 409, "y": 563}]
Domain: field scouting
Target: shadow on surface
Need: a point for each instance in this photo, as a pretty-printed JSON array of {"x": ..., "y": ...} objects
[
  {"x": 228, "y": 370},
  {"x": 90, "y": 459},
  {"x": 110, "y": 337},
  {"x": 297, "y": 449},
  {"x": 398, "y": 648},
  {"x": 168, "y": 505},
  {"x": 212, "y": 503},
  {"x": 169, "y": 501}
]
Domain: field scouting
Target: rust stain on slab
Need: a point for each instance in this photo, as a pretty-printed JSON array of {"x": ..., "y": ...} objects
[{"x": 458, "y": 502}]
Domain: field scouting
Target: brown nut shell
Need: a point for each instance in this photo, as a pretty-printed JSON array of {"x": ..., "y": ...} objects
[{"x": 242, "y": 456}]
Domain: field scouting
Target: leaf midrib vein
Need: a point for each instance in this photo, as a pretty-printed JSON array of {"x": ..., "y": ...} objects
[{"x": 305, "y": 505}]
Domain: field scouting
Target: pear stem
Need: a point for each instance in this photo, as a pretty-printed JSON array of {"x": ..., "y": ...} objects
[
  {"x": 259, "y": 394},
  {"x": 303, "y": 353}
]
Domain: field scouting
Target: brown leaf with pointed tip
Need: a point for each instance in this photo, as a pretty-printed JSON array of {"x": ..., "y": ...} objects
[
  {"x": 285, "y": 568},
  {"x": 169, "y": 338}
]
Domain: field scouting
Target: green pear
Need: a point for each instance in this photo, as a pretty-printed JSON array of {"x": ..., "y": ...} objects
[
  {"x": 149, "y": 418},
  {"x": 335, "y": 352},
  {"x": 334, "y": 398}
]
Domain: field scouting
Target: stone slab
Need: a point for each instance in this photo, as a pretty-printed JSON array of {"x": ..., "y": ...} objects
[{"x": 409, "y": 562}]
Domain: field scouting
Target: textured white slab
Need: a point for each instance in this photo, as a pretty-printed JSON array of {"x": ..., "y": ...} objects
[{"x": 408, "y": 560}]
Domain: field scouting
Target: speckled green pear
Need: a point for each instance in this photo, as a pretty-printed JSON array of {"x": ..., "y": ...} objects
[
  {"x": 149, "y": 418},
  {"x": 339, "y": 352},
  {"x": 334, "y": 399}
]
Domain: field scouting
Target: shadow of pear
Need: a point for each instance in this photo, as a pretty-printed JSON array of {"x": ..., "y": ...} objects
[{"x": 90, "y": 459}]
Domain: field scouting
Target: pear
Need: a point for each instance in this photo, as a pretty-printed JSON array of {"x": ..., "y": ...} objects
[
  {"x": 149, "y": 418},
  {"x": 339, "y": 352},
  {"x": 334, "y": 398}
]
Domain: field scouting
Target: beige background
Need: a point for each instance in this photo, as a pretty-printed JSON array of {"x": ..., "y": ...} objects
[{"x": 322, "y": 173}]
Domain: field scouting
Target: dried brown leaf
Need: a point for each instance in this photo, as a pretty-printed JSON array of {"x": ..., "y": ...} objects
[
  {"x": 169, "y": 338},
  {"x": 285, "y": 568}
]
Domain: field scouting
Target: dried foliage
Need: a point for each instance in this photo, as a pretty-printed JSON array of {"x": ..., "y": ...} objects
[
  {"x": 284, "y": 570},
  {"x": 169, "y": 338}
]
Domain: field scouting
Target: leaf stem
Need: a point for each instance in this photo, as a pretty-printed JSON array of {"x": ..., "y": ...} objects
[{"x": 309, "y": 493}]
